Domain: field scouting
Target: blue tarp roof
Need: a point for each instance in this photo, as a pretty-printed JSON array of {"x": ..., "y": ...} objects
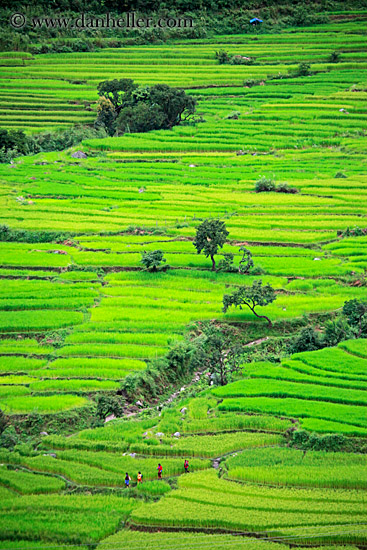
[{"x": 256, "y": 19}]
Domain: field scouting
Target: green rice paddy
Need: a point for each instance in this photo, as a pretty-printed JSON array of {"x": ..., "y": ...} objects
[{"x": 78, "y": 314}]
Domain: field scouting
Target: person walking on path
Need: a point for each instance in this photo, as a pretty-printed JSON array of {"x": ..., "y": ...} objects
[
  {"x": 140, "y": 477},
  {"x": 127, "y": 480},
  {"x": 159, "y": 471},
  {"x": 186, "y": 466}
]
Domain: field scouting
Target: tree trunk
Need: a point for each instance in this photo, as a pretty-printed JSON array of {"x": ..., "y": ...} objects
[
  {"x": 222, "y": 375},
  {"x": 261, "y": 316},
  {"x": 213, "y": 263}
]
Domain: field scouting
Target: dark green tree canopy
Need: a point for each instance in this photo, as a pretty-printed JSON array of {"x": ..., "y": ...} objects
[
  {"x": 252, "y": 297},
  {"x": 210, "y": 235},
  {"x": 220, "y": 353},
  {"x": 141, "y": 117},
  {"x": 153, "y": 260},
  {"x": 142, "y": 108},
  {"x": 117, "y": 91},
  {"x": 356, "y": 313},
  {"x": 15, "y": 139}
]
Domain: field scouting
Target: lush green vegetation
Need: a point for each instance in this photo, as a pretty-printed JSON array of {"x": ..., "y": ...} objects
[
  {"x": 326, "y": 385},
  {"x": 291, "y": 467},
  {"x": 204, "y": 500}
]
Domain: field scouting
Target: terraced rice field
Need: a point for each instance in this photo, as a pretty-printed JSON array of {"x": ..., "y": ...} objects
[
  {"x": 280, "y": 493},
  {"x": 326, "y": 389},
  {"x": 77, "y": 313}
]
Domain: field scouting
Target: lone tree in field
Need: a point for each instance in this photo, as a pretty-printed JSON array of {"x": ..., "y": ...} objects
[
  {"x": 220, "y": 355},
  {"x": 142, "y": 108},
  {"x": 153, "y": 260},
  {"x": 210, "y": 235},
  {"x": 252, "y": 297}
]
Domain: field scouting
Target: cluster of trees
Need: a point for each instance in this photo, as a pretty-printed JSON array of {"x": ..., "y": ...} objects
[
  {"x": 124, "y": 107},
  {"x": 99, "y": 6},
  {"x": 211, "y": 235},
  {"x": 352, "y": 323},
  {"x": 127, "y": 107},
  {"x": 15, "y": 143},
  {"x": 214, "y": 17}
]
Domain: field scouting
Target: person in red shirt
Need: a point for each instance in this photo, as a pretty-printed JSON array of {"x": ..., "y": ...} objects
[
  {"x": 186, "y": 466},
  {"x": 159, "y": 471}
]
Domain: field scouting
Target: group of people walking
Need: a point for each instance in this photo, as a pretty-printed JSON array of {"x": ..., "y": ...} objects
[{"x": 139, "y": 477}]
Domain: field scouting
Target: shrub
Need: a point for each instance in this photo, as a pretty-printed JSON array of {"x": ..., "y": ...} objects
[
  {"x": 356, "y": 313},
  {"x": 335, "y": 332},
  {"x": 241, "y": 60},
  {"x": 110, "y": 404},
  {"x": 249, "y": 83},
  {"x": 264, "y": 185},
  {"x": 222, "y": 56},
  {"x": 301, "y": 439},
  {"x": 13, "y": 143},
  {"x": 3, "y": 421},
  {"x": 334, "y": 57},
  {"x": 303, "y": 69},
  {"x": 285, "y": 188},
  {"x": 9, "y": 438},
  {"x": 227, "y": 264},
  {"x": 340, "y": 175},
  {"x": 300, "y": 17},
  {"x": 26, "y": 236},
  {"x": 307, "y": 340}
]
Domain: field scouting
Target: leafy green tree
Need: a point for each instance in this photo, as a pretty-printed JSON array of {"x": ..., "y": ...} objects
[
  {"x": 14, "y": 143},
  {"x": 247, "y": 262},
  {"x": 301, "y": 16},
  {"x": 210, "y": 235},
  {"x": 110, "y": 404},
  {"x": 9, "y": 438},
  {"x": 118, "y": 92},
  {"x": 336, "y": 331},
  {"x": 356, "y": 313},
  {"x": 3, "y": 421},
  {"x": 303, "y": 69},
  {"x": 106, "y": 115},
  {"x": 307, "y": 340},
  {"x": 220, "y": 354},
  {"x": 180, "y": 360},
  {"x": 251, "y": 297},
  {"x": 153, "y": 260},
  {"x": 142, "y": 108},
  {"x": 175, "y": 104},
  {"x": 226, "y": 264},
  {"x": 142, "y": 117}
]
